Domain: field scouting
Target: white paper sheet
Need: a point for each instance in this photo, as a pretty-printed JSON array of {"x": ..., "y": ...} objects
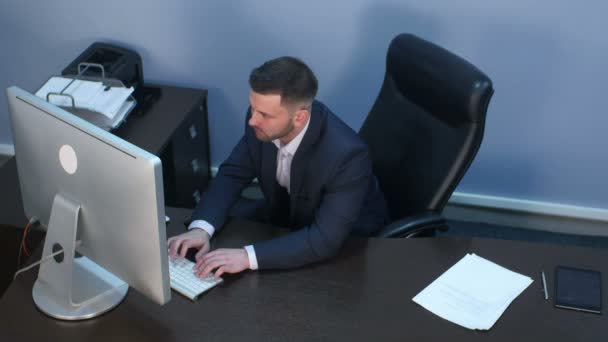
[{"x": 473, "y": 293}]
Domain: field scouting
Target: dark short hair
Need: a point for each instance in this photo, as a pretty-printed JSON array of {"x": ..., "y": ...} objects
[{"x": 286, "y": 76}]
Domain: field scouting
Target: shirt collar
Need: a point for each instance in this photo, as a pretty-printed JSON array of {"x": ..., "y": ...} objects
[{"x": 293, "y": 145}]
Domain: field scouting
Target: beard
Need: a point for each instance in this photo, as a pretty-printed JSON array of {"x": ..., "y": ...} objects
[{"x": 262, "y": 136}]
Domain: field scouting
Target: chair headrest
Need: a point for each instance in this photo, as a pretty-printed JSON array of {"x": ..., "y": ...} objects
[{"x": 437, "y": 80}]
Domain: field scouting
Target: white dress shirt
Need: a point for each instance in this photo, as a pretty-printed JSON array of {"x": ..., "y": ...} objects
[{"x": 285, "y": 155}]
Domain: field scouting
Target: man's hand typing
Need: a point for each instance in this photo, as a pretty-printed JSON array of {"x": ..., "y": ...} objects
[
  {"x": 223, "y": 260},
  {"x": 195, "y": 238}
]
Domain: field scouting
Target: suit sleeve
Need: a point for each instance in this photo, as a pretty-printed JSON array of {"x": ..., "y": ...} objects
[
  {"x": 339, "y": 209},
  {"x": 234, "y": 175}
]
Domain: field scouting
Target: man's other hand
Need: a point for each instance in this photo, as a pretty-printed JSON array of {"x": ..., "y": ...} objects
[
  {"x": 222, "y": 260},
  {"x": 195, "y": 238}
]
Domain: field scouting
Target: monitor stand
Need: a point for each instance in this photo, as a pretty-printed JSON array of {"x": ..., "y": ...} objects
[{"x": 71, "y": 288}]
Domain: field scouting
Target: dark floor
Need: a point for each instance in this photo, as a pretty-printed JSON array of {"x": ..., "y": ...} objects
[{"x": 461, "y": 228}]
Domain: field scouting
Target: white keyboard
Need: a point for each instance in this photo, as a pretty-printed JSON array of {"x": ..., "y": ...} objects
[{"x": 184, "y": 281}]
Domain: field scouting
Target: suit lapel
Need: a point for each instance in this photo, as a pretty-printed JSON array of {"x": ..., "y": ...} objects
[{"x": 302, "y": 159}]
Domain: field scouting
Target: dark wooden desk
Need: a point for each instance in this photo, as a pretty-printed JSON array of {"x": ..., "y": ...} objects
[{"x": 363, "y": 294}]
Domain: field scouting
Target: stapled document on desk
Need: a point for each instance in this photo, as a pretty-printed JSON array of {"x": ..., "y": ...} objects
[
  {"x": 91, "y": 95},
  {"x": 473, "y": 293}
]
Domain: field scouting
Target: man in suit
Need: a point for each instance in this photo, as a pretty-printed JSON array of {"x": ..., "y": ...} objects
[{"x": 314, "y": 171}]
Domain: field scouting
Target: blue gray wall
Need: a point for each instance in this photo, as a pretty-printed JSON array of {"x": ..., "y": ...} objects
[{"x": 545, "y": 134}]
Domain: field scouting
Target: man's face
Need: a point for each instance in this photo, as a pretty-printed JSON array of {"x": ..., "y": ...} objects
[{"x": 269, "y": 118}]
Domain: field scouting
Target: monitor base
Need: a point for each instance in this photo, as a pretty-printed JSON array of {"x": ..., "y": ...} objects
[
  {"x": 70, "y": 288},
  {"x": 101, "y": 290}
]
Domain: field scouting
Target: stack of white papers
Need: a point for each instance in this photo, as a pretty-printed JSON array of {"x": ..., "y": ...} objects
[
  {"x": 87, "y": 94},
  {"x": 473, "y": 293}
]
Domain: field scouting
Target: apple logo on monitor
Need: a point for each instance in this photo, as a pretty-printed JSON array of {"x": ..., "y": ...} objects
[{"x": 68, "y": 159}]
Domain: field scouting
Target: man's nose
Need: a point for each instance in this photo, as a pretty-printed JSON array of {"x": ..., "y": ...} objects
[{"x": 253, "y": 122}]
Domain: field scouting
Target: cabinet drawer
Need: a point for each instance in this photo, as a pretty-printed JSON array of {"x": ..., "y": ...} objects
[{"x": 189, "y": 159}]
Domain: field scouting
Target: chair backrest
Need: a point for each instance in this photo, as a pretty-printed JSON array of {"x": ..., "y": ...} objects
[{"x": 426, "y": 125}]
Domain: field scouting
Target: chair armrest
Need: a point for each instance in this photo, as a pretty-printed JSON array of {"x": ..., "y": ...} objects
[{"x": 412, "y": 226}]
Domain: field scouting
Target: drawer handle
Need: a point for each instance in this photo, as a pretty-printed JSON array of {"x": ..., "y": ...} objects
[
  {"x": 197, "y": 196},
  {"x": 196, "y": 165},
  {"x": 193, "y": 132}
]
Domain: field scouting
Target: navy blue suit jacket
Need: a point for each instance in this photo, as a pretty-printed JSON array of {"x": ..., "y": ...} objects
[{"x": 333, "y": 191}]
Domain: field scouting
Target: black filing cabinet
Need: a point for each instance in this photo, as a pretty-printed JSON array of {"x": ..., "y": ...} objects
[{"x": 174, "y": 127}]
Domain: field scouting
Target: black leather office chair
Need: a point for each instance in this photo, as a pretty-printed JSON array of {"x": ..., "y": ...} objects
[{"x": 423, "y": 131}]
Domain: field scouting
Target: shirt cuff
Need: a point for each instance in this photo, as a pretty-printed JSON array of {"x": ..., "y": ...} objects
[
  {"x": 204, "y": 225},
  {"x": 253, "y": 260}
]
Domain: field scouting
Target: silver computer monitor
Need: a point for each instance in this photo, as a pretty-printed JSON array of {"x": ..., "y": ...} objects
[{"x": 96, "y": 194}]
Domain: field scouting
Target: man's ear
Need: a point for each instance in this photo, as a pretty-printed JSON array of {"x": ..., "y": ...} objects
[{"x": 301, "y": 117}]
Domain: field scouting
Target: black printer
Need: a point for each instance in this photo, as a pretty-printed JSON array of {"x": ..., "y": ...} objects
[{"x": 118, "y": 63}]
